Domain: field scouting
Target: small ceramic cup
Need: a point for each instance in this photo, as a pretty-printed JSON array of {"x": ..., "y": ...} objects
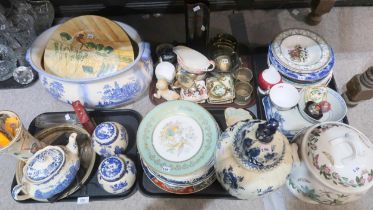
[
  {"x": 284, "y": 96},
  {"x": 268, "y": 78},
  {"x": 116, "y": 174},
  {"x": 243, "y": 92},
  {"x": 109, "y": 138},
  {"x": 165, "y": 70}
]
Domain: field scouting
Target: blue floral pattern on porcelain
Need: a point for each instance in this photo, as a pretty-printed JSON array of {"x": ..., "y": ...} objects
[
  {"x": 116, "y": 174},
  {"x": 105, "y": 133},
  {"x": 110, "y": 138},
  {"x": 42, "y": 166},
  {"x": 119, "y": 88},
  {"x": 61, "y": 186},
  {"x": 315, "y": 76},
  {"x": 112, "y": 168}
]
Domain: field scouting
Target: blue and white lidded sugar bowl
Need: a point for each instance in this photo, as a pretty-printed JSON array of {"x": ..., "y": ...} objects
[
  {"x": 109, "y": 138},
  {"x": 116, "y": 174},
  {"x": 49, "y": 171},
  {"x": 252, "y": 157}
]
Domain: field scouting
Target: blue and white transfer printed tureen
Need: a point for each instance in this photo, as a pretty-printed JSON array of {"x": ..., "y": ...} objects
[
  {"x": 116, "y": 174},
  {"x": 49, "y": 171},
  {"x": 252, "y": 158},
  {"x": 111, "y": 90},
  {"x": 109, "y": 138}
]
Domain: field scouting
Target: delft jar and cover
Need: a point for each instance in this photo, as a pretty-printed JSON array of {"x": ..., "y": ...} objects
[
  {"x": 109, "y": 138},
  {"x": 252, "y": 157},
  {"x": 116, "y": 174},
  {"x": 49, "y": 171}
]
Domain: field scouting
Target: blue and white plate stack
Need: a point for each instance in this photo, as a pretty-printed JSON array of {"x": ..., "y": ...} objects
[{"x": 302, "y": 57}]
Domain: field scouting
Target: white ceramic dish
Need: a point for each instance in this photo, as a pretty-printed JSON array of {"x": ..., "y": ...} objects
[
  {"x": 323, "y": 82},
  {"x": 284, "y": 96},
  {"x": 338, "y": 107}
]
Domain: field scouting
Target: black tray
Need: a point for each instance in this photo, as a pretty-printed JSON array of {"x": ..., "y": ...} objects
[
  {"x": 260, "y": 63},
  {"x": 130, "y": 119},
  {"x": 12, "y": 84},
  {"x": 214, "y": 191}
]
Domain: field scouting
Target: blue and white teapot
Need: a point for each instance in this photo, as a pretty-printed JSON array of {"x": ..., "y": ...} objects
[
  {"x": 252, "y": 157},
  {"x": 49, "y": 171}
]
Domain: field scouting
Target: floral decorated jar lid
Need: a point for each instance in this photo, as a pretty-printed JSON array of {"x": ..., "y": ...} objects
[
  {"x": 177, "y": 138},
  {"x": 301, "y": 50},
  {"x": 105, "y": 133},
  {"x": 44, "y": 164},
  {"x": 258, "y": 146},
  {"x": 340, "y": 156},
  {"x": 112, "y": 168}
]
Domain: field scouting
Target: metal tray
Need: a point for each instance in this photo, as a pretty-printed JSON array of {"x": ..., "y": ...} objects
[{"x": 130, "y": 119}]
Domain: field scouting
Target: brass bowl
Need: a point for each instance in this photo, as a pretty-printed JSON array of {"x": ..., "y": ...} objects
[{"x": 86, "y": 154}]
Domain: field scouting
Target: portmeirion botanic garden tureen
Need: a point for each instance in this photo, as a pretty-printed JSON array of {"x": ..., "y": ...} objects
[
  {"x": 49, "y": 171},
  {"x": 335, "y": 164},
  {"x": 252, "y": 157}
]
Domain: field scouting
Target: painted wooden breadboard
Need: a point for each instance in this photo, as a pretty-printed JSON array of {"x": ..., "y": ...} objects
[{"x": 87, "y": 47}]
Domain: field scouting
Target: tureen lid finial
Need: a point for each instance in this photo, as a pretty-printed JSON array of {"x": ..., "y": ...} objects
[
  {"x": 258, "y": 145},
  {"x": 265, "y": 131}
]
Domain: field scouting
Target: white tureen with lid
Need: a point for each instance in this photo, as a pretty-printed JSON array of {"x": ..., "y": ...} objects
[{"x": 335, "y": 165}]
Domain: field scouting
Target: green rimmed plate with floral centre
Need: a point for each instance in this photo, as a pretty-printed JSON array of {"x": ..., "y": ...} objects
[{"x": 177, "y": 138}]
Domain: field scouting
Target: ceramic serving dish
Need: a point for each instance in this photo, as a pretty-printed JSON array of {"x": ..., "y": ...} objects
[
  {"x": 111, "y": 90},
  {"x": 192, "y": 60},
  {"x": 284, "y": 96},
  {"x": 252, "y": 158},
  {"x": 290, "y": 121},
  {"x": 334, "y": 165},
  {"x": 177, "y": 138},
  {"x": 109, "y": 138},
  {"x": 116, "y": 174},
  {"x": 338, "y": 107},
  {"x": 49, "y": 171},
  {"x": 292, "y": 74},
  {"x": 301, "y": 50},
  {"x": 324, "y": 82}
]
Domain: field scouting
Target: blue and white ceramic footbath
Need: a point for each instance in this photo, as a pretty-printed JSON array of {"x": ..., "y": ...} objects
[
  {"x": 49, "y": 171},
  {"x": 109, "y": 138},
  {"x": 116, "y": 174},
  {"x": 252, "y": 158}
]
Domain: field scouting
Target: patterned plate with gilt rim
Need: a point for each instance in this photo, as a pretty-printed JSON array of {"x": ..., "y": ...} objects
[
  {"x": 177, "y": 138},
  {"x": 301, "y": 50}
]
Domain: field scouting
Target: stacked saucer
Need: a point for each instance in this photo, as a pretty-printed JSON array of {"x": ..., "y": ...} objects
[
  {"x": 302, "y": 57},
  {"x": 176, "y": 142}
]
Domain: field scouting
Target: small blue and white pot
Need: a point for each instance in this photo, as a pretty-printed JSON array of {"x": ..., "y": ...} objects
[
  {"x": 111, "y": 90},
  {"x": 49, "y": 172},
  {"x": 116, "y": 174},
  {"x": 109, "y": 138}
]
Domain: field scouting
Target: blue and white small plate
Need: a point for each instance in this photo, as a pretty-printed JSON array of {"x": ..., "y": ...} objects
[{"x": 291, "y": 121}]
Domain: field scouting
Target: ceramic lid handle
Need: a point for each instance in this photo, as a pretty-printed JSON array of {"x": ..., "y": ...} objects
[
  {"x": 265, "y": 131},
  {"x": 348, "y": 140},
  {"x": 15, "y": 193}
]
